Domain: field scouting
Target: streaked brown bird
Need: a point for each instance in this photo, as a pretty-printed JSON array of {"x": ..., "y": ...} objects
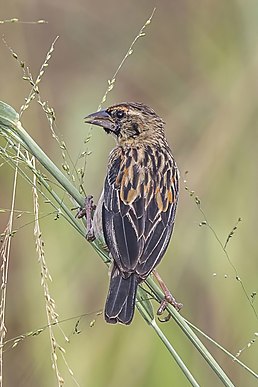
[{"x": 136, "y": 212}]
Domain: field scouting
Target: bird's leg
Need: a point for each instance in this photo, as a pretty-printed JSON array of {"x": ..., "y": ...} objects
[
  {"x": 88, "y": 212},
  {"x": 168, "y": 299}
]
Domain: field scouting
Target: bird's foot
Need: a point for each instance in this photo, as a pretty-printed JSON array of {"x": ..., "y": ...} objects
[
  {"x": 168, "y": 299},
  {"x": 88, "y": 212}
]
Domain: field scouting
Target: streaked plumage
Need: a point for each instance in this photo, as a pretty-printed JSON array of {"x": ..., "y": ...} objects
[{"x": 136, "y": 211}]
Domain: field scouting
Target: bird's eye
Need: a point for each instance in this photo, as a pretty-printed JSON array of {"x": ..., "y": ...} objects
[{"x": 120, "y": 114}]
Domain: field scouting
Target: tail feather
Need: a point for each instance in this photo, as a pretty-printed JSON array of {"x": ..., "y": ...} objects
[{"x": 120, "y": 302}]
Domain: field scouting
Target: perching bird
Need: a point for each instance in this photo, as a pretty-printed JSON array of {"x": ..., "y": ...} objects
[{"x": 136, "y": 211}]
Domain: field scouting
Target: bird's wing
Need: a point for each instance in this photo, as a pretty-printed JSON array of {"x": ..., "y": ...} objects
[{"x": 140, "y": 198}]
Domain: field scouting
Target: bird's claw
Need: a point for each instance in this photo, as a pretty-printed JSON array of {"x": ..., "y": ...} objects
[
  {"x": 88, "y": 211},
  {"x": 80, "y": 213},
  {"x": 165, "y": 319},
  {"x": 168, "y": 299},
  {"x": 90, "y": 236}
]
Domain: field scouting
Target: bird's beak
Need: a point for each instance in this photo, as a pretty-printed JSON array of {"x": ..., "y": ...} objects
[{"x": 101, "y": 118}]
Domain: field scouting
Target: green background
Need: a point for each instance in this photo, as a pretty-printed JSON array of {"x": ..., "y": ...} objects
[{"x": 197, "y": 67}]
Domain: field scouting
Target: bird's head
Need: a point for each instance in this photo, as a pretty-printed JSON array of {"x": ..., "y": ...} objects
[{"x": 129, "y": 122}]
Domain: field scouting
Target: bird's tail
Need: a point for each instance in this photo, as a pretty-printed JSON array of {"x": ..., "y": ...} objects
[{"x": 120, "y": 302}]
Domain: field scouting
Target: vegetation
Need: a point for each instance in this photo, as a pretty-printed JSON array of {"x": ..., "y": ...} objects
[{"x": 212, "y": 132}]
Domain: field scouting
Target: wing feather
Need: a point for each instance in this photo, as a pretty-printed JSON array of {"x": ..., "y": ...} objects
[{"x": 140, "y": 199}]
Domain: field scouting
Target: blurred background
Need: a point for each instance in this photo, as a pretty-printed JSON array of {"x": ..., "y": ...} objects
[{"x": 197, "y": 67}]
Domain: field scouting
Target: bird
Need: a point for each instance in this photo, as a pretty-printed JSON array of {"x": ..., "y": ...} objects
[{"x": 135, "y": 215}]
